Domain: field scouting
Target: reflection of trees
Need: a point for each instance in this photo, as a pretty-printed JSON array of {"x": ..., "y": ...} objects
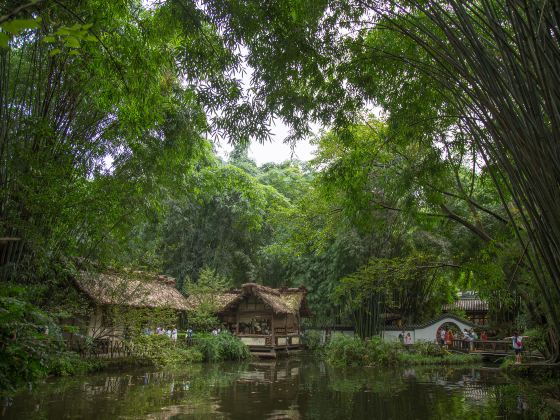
[
  {"x": 135, "y": 394},
  {"x": 383, "y": 382},
  {"x": 286, "y": 388}
]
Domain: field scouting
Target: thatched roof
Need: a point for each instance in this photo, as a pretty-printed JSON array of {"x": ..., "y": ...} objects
[
  {"x": 281, "y": 301},
  {"x": 132, "y": 288}
]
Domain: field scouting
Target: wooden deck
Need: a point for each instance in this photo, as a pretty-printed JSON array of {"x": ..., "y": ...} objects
[{"x": 271, "y": 345}]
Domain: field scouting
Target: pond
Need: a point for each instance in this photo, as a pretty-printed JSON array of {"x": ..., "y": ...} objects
[{"x": 299, "y": 387}]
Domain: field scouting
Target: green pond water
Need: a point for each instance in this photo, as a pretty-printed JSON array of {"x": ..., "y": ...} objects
[{"x": 293, "y": 388}]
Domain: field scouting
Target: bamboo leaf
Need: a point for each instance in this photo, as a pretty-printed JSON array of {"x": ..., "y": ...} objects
[
  {"x": 17, "y": 25},
  {"x": 72, "y": 42},
  {"x": 64, "y": 31}
]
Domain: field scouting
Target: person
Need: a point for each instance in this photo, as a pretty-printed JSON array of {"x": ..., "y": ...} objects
[
  {"x": 517, "y": 344},
  {"x": 189, "y": 335},
  {"x": 168, "y": 333},
  {"x": 408, "y": 340},
  {"x": 401, "y": 337},
  {"x": 174, "y": 334},
  {"x": 470, "y": 339},
  {"x": 466, "y": 339},
  {"x": 449, "y": 338},
  {"x": 159, "y": 330},
  {"x": 474, "y": 335},
  {"x": 442, "y": 336},
  {"x": 484, "y": 336}
]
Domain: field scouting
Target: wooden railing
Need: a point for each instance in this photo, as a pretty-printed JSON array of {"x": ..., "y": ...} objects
[
  {"x": 482, "y": 346},
  {"x": 109, "y": 348}
]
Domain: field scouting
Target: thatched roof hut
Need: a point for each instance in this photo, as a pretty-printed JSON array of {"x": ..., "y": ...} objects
[
  {"x": 281, "y": 301},
  {"x": 132, "y": 288}
]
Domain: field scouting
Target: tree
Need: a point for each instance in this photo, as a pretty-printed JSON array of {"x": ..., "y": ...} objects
[
  {"x": 409, "y": 288},
  {"x": 485, "y": 71},
  {"x": 204, "y": 294}
]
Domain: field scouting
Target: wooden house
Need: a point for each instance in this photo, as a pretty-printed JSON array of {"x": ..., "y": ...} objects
[
  {"x": 267, "y": 320},
  {"x": 113, "y": 292},
  {"x": 475, "y": 309}
]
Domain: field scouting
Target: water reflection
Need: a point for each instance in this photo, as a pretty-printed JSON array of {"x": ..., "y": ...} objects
[{"x": 294, "y": 388}]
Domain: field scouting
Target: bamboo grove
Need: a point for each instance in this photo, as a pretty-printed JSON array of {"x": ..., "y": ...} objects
[{"x": 437, "y": 167}]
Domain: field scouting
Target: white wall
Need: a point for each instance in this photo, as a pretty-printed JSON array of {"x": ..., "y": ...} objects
[
  {"x": 394, "y": 335},
  {"x": 424, "y": 334}
]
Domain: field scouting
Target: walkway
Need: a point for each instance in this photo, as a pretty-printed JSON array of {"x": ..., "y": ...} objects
[{"x": 490, "y": 348}]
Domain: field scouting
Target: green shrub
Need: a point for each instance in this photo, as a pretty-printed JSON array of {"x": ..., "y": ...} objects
[
  {"x": 312, "y": 339},
  {"x": 223, "y": 346},
  {"x": 161, "y": 351},
  {"x": 407, "y": 358},
  {"x": 27, "y": 351},
  {"x": 70, "y": 363},
  {"x": 428, "y": 348},
  {"x": 382, "y": 353},
  {"x": 347, "y": 350},
  {"x": 536, "y": 339}
]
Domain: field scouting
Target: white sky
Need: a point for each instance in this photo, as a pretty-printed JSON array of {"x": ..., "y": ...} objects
[{"x": 276, "y": 150}]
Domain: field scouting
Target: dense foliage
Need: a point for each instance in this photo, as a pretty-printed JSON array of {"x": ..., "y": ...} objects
[
  {"x": 220, "y": 347},
  {"x": 106, "y": 110},
  {"x": 161, "y": 352},
  {"x": 344, "y": 350},
  {"x": 32, "y": 345}
]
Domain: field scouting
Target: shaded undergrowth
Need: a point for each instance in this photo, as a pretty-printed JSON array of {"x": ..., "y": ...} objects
[{"x": 344, "y": 350}]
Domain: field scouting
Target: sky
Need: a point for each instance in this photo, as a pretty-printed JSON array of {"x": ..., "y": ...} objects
[{"x": 276, "y": 150}]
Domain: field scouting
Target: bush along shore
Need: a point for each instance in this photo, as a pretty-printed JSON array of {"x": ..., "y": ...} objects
[
  {"x": 157, "y": 351},
  {"x": 344, "y": 350}
]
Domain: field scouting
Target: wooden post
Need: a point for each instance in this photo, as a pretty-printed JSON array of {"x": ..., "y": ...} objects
[
  {"x": 286, "y": 330},
  {"x": 237, "y": 321},
  {"x": 273, "y": 332}
]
